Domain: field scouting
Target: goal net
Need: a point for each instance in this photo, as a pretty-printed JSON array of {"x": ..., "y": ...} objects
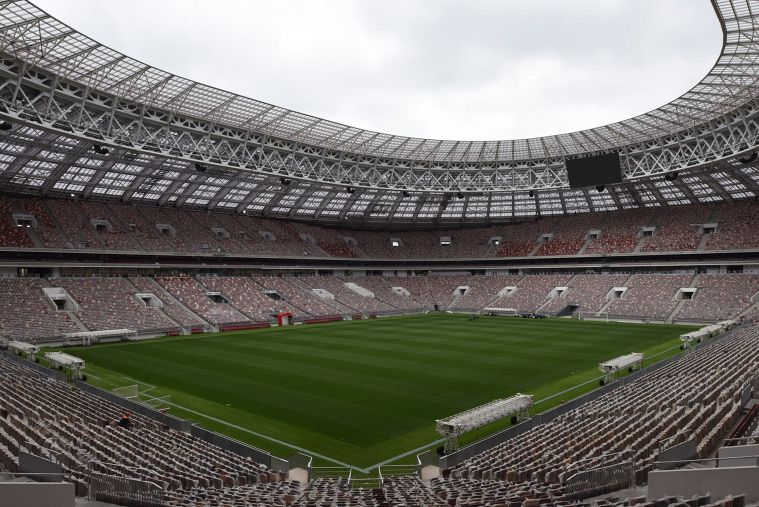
[
  {"x": 129, "y": 392},
  {"x": 159, "y": 403},
  {"x": 132, "y": 393}
]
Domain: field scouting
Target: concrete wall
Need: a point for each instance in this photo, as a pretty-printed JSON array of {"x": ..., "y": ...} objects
[
  {"x": 719, "y": 482},
  {"x": 36, "y": 494},
  {"x": 681, "y": 452},
  {"x": 737, "y": 451},
  {"x": 31, "y": 464}
]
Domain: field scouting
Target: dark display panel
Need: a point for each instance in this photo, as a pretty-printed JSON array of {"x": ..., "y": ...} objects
[{"x": 595, "y": 170}]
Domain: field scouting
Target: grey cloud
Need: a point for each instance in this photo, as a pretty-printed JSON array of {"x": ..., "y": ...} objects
[{"x": 484, "y": 69}]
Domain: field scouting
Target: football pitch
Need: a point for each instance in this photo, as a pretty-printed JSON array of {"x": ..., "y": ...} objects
[{"x": 360, "y": 393}]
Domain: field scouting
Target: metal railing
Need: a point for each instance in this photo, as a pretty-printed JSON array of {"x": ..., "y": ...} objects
[
  {"x": 708, "y": 462},
  {"x": 747, "y": 440},
  {"x": 119, "y": 490},
  {"x": 337, "y": 472},
  {"x": 599, "y": 481},
  {"x": 38, "y": 477}
]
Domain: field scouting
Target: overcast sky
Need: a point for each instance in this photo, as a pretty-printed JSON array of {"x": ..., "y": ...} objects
[{"x": 467, "y": 69}]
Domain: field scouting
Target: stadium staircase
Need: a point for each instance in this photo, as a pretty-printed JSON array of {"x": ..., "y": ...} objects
[
  {"x": 455, "y": 300},
  {"x": 671, "y": 317},
  {"x": 537, "y": 310},
  {"x": 753, "y": 309},
  {"x": 54, "y": 219},
  {"x": 642, "y": 239},
  {"x": 44, "y": 282},
  {"x": 675, "y": 311},
  {"x": 585, "y": 246},
  {"x": 388, "y": 303},
  {"x": 151, "y": 220},
  {"x": 714, "y": 217},
  {"x": 36, "y": 241},
  {"x": 639, "y": 244},
  {"x": 605, "y": 307},
  {"x": 30, "y": 232},
  {"x": 340, "y": 306},
  {"x": 125, "y": 227},
  {"x": 164, "y": 293},
  {"x": 168, "y": 317},
  {"x": 704, "y": 240},
  {"x": 90, "y": 227}
]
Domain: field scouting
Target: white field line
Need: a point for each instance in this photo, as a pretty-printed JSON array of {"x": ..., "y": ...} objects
[
  {"x": 140, "y": 382},
  {"x": 261, "y": 435},
  {"x": 341, "y": 463}
]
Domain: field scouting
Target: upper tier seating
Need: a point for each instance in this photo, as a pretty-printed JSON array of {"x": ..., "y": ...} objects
[
  {"x": 519, "y": 240},
  {"x": 189, "y": 236},
  {"x": 736, "y": 227},
  {"x": 234, "y": 244},
  {"x": 620, "y": 231},
  {"x": 135, "y": 227},
  {"x": 569, "y": 236},
  {"x": 141, "y": 226},
  {"x": 119, "y": 237},
  {"x": 677, "y": 228},
  {"x": 50, "y": 235},
  {"x": 10, "y": 234},
  {"x": 75, "y": 224}
]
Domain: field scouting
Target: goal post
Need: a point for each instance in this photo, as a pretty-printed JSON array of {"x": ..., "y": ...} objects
[
  {"x": 131, "y": 392},
  {"x": 159, "y": 403}
]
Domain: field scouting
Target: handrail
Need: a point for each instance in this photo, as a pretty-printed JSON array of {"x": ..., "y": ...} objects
[
  {"x": 715, "y": 459},
  {"x": 36, "y": 474}
]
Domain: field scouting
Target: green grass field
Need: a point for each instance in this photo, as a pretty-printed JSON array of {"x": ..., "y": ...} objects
[{"x": 364, "y": 392}]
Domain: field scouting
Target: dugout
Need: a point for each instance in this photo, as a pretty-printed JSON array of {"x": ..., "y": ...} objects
[{"x": 284, "y": 318}]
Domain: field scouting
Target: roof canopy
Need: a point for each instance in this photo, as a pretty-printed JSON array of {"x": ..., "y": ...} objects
[{"x": 89, "y": 121}]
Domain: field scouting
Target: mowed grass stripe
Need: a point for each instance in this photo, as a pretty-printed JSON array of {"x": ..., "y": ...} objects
[
  {"x": 349, "y": 387},
  {"x": 290, "y": 397}
]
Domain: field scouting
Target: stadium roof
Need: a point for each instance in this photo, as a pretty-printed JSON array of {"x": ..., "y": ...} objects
[{"x": 168, "y": 140}]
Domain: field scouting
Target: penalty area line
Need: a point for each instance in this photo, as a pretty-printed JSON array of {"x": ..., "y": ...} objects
[
  {"x": 140, "y": 382},
  {"x": 261, "y": 435}
]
